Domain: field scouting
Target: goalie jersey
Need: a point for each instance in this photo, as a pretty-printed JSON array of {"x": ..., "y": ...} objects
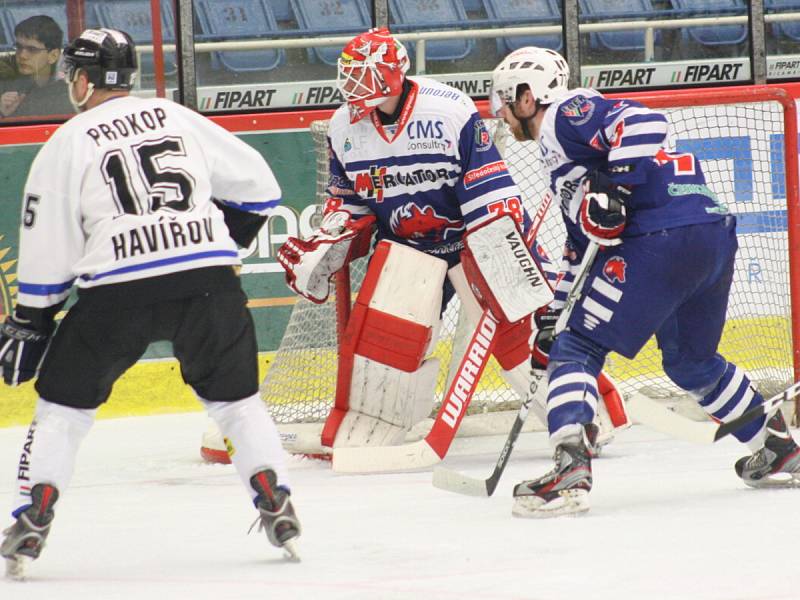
[
  {"x": 125, "y": 192},
  {"x": 427, "y": 178}
]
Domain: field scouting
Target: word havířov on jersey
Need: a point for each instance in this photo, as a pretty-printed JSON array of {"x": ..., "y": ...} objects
[{"x": 144, "y": 205}]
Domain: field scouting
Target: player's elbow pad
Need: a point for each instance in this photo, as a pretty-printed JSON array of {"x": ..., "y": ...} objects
[{"x": 243, "y": 226}]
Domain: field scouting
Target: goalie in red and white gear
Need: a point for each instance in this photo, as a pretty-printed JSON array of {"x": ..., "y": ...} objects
[{"x": 414, "y": 155}]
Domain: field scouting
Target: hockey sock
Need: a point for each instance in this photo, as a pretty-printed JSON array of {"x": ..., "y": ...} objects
[
  {"x": 571, "y": 400},
  {"x": 732, "y": 395},
  {"x": 252, "y": 438},
  {"x": 48, "y": 454}
]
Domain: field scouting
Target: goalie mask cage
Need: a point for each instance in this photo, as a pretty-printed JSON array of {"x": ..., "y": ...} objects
[{"x": 738, "y": 134}]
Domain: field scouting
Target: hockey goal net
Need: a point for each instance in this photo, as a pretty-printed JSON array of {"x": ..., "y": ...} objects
[{"x": 738, "y": 134}]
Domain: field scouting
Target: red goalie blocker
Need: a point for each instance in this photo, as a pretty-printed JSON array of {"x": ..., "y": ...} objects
[
  {"x": 506, "y": 279},
  {"x": 501, "y": 271}
]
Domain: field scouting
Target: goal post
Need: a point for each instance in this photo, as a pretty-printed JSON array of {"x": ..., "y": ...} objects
[{"x": 746, "y": 140}]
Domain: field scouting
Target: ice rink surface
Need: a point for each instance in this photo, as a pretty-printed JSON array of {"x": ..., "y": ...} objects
[{"x": 145, "y": 519}]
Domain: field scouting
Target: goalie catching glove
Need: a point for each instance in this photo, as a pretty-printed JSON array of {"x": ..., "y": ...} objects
[
  {"x": 21, "y": 350},
  {"x": 603, "y": 214},
  {"x": 310, "y": 264}
]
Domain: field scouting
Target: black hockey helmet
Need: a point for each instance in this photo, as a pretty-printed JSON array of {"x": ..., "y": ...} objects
[{"x": 107, "y": 55}]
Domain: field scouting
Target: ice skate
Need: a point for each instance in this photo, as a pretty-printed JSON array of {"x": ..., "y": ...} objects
[
  {"x": 277, "y": 516},
  {"x": 565, "y": 489},
  {"x": 777, "y": 464},
  {"x": 24, "y": 540}
]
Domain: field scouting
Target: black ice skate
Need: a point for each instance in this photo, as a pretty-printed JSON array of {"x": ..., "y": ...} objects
[
  {"x": 277, "y": 516},
  {"x": 565, "y": 489},
  {"x": 25, "y": 539},
  {"x": 777, "y": 464}
]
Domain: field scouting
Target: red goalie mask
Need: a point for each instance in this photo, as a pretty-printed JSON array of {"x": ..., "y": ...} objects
[{"x": 372, "y": 68}]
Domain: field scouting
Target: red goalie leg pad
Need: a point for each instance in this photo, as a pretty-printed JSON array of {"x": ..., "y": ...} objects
[
  {"x": 393, "y": 341},
  {"x": 613, "y": 401},
  {"x": 513, "y": 343},
  {"x": 376, "y": 335}
]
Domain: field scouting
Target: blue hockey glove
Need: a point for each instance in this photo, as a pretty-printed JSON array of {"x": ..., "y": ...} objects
[
  {"x": 603, "y": 215},
  {"x": 545, "y": 319},
  {"x": 21, "y": 350}
]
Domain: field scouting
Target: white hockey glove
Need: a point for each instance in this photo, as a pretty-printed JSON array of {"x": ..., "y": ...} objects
[
  {"x": 310, "y": 264},
  {"x": 21, "y": 350},
  {"x": 603, "y": 214}
]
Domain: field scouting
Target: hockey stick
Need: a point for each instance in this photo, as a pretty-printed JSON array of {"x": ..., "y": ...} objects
[
  {"x": 576, "y": 291},
  {"x": 430, "y": 450},
  {"x": 652, "y": 414},
  {"x": 453, "y": 481}
]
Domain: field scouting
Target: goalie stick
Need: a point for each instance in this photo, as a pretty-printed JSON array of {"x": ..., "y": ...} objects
[{"x": 430, "y": 450}]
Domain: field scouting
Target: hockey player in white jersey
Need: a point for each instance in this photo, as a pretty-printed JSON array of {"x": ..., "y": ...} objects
[
  {"x": 412, "y": 158},
  {"x": 139, "y": 203},
  {"x": 666, "y": 269}
]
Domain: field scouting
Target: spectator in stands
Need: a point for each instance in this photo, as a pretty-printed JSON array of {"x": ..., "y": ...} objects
[{"x": 30, "y": 84}]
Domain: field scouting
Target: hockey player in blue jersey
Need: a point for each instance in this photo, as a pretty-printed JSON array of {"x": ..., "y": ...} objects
[{"x": 665, "y": 268}]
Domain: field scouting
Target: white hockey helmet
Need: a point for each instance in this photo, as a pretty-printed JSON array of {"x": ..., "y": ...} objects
[{"x": 545, "y": 72}]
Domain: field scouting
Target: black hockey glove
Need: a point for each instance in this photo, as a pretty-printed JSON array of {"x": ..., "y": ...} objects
[
  {"x": 603, "y": 213},
  {"x": 21, "y": 350},
  {"x": 242, "y": 226},
  {"x": 545, "y": 318}
]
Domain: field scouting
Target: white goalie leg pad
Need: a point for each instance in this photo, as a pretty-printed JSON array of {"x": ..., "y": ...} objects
[
  {"x": 501, "y": 270},
  {"x": 385, "y": 403},
  {"x": 50, "y": 448},
  {"x": 389, "y": 333},
  {"x": 251, "y": 438}
]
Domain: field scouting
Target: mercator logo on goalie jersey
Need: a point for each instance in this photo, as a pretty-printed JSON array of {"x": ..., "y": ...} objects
[{"x": 373, "y": 182}]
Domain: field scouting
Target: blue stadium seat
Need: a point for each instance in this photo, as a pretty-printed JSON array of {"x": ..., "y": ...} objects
[
  {"x": 526, "y": 12},
  {"x": 616, "y": 10},
  {"x": 472, "y": 5},
  {"x": 416, "y": 15},
  {"x": 282, "y": 9},
  {"x": 787, "y": 29},
  {"x": 230, "y": 20},
  {"x": 14, "y": 12},
  {"x": 134, "y": 18},
  {"x": 716, "y": 35},
  {"x": 329, "y": 18}
]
